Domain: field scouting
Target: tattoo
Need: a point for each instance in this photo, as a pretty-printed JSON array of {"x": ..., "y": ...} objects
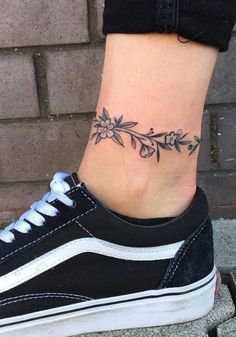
[{"x": 149, "y": 144}]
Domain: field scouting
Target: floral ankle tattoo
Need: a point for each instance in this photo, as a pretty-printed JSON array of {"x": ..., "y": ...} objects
[{"x": 149, "y": 144}]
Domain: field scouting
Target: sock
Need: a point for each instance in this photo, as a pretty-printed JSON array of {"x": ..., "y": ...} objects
[{"x": 143, "y": 222}]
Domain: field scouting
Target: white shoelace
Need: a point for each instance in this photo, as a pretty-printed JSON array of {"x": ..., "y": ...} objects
[{"x": 58, "y": 189}]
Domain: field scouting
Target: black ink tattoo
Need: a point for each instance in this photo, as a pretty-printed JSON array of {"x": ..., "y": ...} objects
[{"x": 150, "y": 143}]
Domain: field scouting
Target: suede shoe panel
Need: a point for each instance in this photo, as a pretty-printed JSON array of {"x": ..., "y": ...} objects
[{"x": 194, "y": 260}]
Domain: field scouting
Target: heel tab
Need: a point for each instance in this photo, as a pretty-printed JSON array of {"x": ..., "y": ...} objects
[{"x": 200, "y": 195}]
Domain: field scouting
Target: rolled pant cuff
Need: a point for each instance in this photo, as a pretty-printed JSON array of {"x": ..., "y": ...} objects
[{"x": 207, "y": 21}]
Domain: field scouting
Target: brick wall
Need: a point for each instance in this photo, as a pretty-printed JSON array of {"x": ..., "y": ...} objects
[{"x": 51, "y": 55}]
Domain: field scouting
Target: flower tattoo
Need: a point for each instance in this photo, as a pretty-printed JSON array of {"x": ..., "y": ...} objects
[
  {"x": 105, "y": 129},
  {"x": 149, "y": 144},
  {"x": 146, "y": 151},
  {"x": 171, "y": 138}
]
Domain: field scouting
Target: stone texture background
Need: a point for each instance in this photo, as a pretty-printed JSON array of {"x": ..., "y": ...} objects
[{"x": 51, "y": 55}]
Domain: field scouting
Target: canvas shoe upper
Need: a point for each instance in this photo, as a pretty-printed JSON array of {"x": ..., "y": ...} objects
[{"x": 70, "y": 266}]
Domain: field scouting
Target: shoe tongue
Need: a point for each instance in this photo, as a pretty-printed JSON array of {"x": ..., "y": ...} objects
[{"x": 72, "y": 180}]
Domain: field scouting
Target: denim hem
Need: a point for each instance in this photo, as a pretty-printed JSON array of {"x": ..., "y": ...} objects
[
  {"x": 208, "y": 21},
  {"x": 167, "y": 13}
]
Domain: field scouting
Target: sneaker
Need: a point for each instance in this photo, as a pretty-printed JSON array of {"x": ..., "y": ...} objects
[{"x": 71, "y": 266}]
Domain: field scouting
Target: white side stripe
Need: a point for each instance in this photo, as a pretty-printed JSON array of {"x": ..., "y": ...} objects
[{"x": 80, "y": 246}]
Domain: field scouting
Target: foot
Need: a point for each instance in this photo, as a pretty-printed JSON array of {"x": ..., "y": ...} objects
[{"x": 71, "y": 266}]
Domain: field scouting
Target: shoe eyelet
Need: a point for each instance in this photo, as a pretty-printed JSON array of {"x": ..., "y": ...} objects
[{"x": 74, "y": 205}]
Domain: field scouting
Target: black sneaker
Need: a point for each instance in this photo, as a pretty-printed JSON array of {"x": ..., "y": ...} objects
[{"x": 71, "y": 266}]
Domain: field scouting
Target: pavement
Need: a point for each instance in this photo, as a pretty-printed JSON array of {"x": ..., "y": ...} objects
[{"x": 221, "y": 321}]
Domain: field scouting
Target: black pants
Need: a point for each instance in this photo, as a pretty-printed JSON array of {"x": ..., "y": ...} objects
[{"x": 206, "y": 21}]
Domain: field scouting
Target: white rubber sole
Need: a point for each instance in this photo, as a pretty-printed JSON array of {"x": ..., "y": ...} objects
[{"x": 145, "y": 309}]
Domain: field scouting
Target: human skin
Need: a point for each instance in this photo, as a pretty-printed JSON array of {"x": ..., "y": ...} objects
[{"x": 158, "y": 82}]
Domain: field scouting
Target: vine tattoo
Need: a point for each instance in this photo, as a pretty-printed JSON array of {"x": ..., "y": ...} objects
[{"x": 149, "y": 144}]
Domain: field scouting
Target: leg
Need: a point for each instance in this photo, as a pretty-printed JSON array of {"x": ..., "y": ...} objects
[{"x": 160, "y": 83}]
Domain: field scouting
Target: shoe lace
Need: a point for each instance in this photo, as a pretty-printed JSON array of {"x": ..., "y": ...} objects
[{"x": 42, "y": 207}]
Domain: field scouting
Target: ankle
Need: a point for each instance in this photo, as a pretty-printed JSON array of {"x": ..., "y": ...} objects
[
  {"x": 153, "y": 203},
  {"x": 143, "y": 198}
]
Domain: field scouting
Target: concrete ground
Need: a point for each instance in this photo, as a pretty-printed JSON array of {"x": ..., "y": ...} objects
[{"x": 221, "y": 321}]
